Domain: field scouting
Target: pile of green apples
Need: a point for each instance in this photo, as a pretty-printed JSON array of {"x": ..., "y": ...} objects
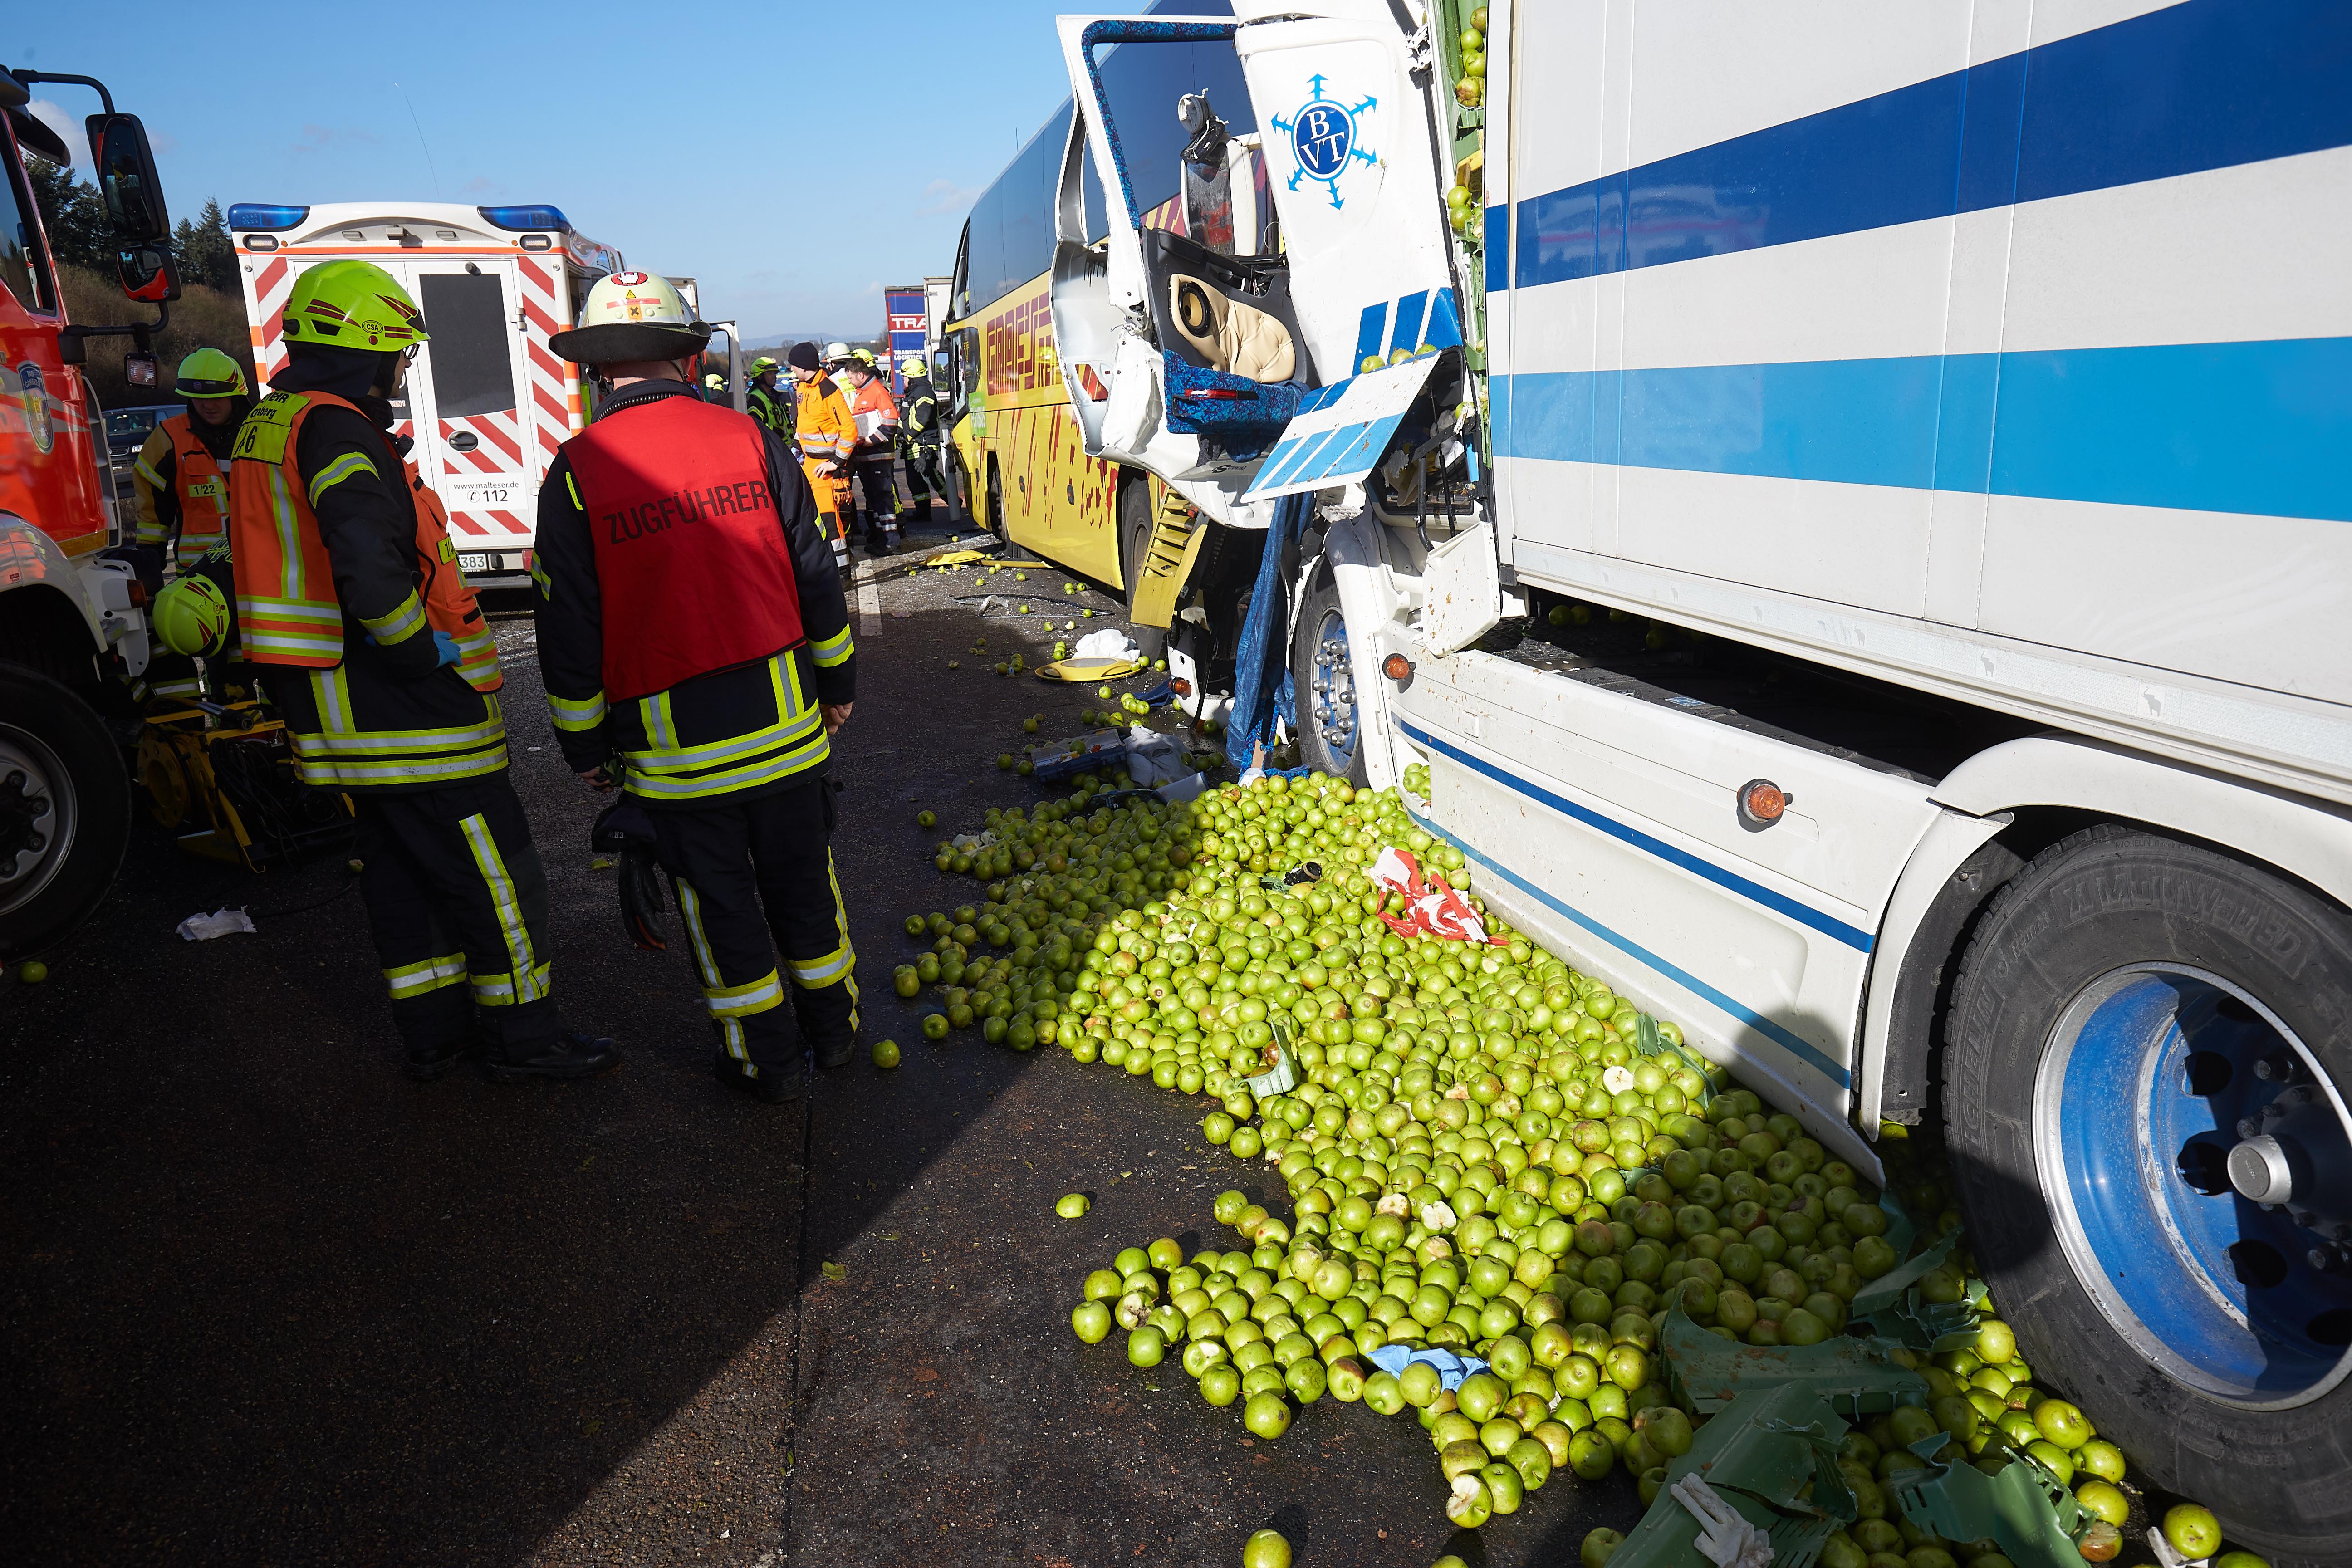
[{"x": 1486, "y": 1150}]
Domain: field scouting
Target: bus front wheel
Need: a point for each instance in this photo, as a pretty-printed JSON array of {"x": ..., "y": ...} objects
[
  {"x": 1323, "y": 686},
  {"x": 1134, "y": 551},
  {"x": 2145, "y": 1096}
]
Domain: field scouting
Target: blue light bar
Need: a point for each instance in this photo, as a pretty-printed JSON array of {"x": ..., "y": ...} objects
[
  {"x": 531, "y": 217},
  {"x": 265, "y": 216}
]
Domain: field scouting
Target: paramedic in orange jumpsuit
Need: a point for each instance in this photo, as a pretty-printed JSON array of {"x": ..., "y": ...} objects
[{"x": 826, "y": 434}]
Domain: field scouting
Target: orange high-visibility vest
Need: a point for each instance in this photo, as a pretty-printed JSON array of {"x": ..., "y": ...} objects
[
  {"x": 288, "y": 611},
  {"x": 872, "y": 407},
  {"x": 203, "y": 489}
]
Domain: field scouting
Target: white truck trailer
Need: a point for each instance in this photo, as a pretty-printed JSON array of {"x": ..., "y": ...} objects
[{"x": 1854, "y": 505}]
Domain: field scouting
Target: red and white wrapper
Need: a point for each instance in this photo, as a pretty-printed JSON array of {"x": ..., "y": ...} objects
[{"x": 1432, "y": 906}]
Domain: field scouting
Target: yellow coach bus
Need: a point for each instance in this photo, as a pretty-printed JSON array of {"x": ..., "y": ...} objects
[{"x": 1013, "y": 435}]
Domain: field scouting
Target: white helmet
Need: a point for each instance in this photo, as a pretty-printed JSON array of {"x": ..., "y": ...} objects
[
  {"x": 834, "y": 353},
  {"x": 632, "y": 316}
]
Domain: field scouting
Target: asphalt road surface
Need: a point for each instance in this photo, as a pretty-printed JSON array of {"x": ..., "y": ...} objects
[{"x": 269, "y": 1302}]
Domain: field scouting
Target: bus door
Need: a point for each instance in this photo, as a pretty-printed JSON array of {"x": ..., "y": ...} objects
[
  {"x": 468, "y": 410},
  {"x": 1199, "y": 396}
]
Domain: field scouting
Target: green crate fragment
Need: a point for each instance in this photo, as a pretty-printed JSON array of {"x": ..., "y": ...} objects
[
  {"x": 1891, "y": 1307},
  {"x": 1771, "y": 1455},
  {"x": 1707, "y": 1373},
  {"x": 2025, "y": 1508}
]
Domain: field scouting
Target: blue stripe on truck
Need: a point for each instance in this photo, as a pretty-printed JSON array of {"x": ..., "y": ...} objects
[
  {"x": 1756, "y": 892},
  {"x": 2263, "y": 428},
  {"x": 2207, "y": 85},
  {"x": 1781, "y": 1035}
]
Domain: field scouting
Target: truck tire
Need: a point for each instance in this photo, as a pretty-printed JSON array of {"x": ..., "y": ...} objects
[
  {"x": 1323, "y": 684},
  {"x": 65, "y": 811},
  {"x": 2146, "y": 1033},
  {"x": 1134, "y": 548}
]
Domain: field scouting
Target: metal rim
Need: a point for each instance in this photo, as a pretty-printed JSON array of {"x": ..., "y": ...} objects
[
  {"x": 1331, "y": 699},
  {"x": 2155, "y": 1076},
  {"x": 38, "y": 815}
]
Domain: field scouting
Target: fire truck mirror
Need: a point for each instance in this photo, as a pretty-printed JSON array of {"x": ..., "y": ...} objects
[
  {"x": 148, "y": 273},
  {"x": 127, "y": 179}
]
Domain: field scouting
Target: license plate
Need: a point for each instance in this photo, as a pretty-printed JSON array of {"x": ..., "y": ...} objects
[{"x": 477, "y": 563}]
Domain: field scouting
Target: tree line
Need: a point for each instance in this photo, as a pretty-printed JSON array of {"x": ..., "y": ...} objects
[
  {"x": 75, "y": 215},
  {"x": 210, "y": 312}
]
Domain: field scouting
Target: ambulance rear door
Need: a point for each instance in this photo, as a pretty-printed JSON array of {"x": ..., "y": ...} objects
[{"x": 471, "y": 410}]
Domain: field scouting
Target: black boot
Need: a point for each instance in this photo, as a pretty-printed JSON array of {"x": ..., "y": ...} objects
[
  {"x": 772, "y": 1084},
  {"x": 567, "y": 1055},
  {"x": 427, "y": 1063},
  {"x": 837, "y": 1053}
]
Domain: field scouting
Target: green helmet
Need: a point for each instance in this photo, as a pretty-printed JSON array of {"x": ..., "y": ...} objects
[
  {"x": 190, "y": 617},
  {"x": 763, "y": 363},
  {"x": 352, "y": 305},
  {"x": 714, "y": 381},
  {"x": 208, "y": 373}
]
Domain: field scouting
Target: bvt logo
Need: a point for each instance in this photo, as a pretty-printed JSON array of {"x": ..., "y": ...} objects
[{"x": 1323, "y": 134}]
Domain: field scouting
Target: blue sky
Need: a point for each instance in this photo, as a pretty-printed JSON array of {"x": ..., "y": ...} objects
[{"x": 653, "y": 127}]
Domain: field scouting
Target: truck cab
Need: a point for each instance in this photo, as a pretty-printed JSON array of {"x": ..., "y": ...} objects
[{"x": 73, "y": 632}]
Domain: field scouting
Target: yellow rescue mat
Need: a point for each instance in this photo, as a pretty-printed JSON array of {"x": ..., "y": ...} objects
[{"x": 1085, "y": 670}]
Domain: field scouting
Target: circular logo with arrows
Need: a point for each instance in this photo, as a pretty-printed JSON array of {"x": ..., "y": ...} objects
[{"x": 1324, "y": 136}]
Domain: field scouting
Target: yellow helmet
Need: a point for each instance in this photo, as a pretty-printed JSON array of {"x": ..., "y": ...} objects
[
  {"x": 352, "y": 305},
  {"x": 914, "y": 366},
  {"x": 190, "y": 617},
  {"x": 209, "y": 372},
  {"x": 632, "y": 316}
]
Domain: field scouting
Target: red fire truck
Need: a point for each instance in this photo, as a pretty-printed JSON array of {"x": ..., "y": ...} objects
[{"x": 73, "y": 630}]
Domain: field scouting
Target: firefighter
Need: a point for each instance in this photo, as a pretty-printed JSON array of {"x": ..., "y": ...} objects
[
  {"x": 768, "y": 404},
  {"x": 874, "y": 459},
  {"x": 692, "y": 623},
  {"x": 180, "y": 482},
  {"x": 714, "y": 387},
  {"x": 920, "y": 421},
  {"x": 349, "y": 596},
  {"x": 823, "y": 433}
]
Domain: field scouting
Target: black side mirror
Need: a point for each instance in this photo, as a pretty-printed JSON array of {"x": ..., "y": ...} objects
[
  {"x": 127, "y": 179},
  {"x": 148, "y": 273}
]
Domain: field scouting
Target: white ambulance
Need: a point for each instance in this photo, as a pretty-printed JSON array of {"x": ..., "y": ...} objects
[{"x": 487, "y": 403}]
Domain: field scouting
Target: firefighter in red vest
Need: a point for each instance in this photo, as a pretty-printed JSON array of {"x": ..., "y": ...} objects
[
  {"x": 694, "y": 641},
  {"x": 349, "y": 596}
]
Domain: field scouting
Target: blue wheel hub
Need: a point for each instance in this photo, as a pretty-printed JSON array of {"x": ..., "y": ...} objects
[
  {"x": 2196, "y": 1157},
  {"x": 1331, "y": 698}
]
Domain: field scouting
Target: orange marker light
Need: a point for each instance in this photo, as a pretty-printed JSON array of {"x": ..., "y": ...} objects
[
  {"x": 1396, "y": 667},
  {"x": 1764, "y": 801}
]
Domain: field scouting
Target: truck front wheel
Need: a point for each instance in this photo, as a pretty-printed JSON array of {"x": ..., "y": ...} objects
[
  {"x": 65, "y": 811},
  {"x": 1323, "y": 680},
  {"x": 2145, "y": 1093}
]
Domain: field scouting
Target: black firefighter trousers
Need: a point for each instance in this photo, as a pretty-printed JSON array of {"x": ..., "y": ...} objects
[
  {"x": 458, "y": 905},
  {"x": 754, "y": 877}
]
